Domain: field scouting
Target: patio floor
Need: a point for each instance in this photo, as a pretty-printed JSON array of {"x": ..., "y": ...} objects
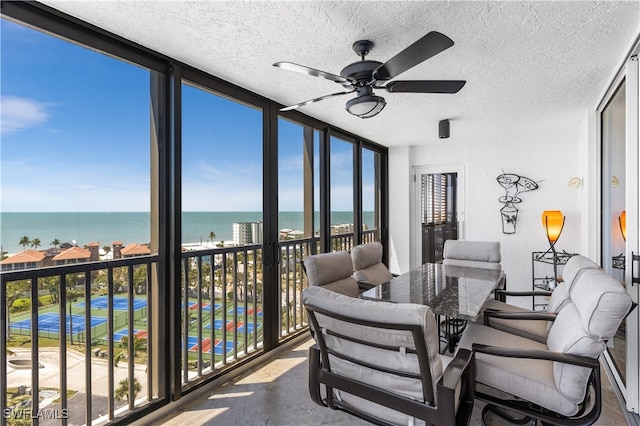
[{"x": 276, "y": 394}]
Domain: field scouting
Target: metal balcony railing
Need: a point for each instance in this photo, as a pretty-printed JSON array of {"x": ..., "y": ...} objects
[{"x": 88, "y": 333}]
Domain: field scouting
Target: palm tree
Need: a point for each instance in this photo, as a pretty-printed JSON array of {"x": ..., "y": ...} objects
[
  {"x": 123, "y": 389},
  {"x": 212, "y": 236},
  {"x": 55, "y": 243},
  {"x": 139, "y": 345},
  {"x": 24, "y": 242},
  {"x": 35, "y": 243}
]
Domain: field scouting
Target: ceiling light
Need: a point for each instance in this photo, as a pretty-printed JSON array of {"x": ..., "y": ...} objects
[{"x": 365, "y": 106}]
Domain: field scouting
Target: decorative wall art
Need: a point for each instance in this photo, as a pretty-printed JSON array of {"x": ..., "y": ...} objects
[{"x": 513, "y": 186}]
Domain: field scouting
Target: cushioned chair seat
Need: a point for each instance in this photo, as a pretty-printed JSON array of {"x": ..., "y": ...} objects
[
  {"x": 537, "y": 330},
  {"x": 472, "y": 254},
  {"x": 534, "y": 330},
  {"x": 367, "y": 264},
  {"x": 532, "y": 380},
  {"x": 391, "y": 348},
  {"x": 332, "y": 271},
  {"x": 561, "y": 376}
]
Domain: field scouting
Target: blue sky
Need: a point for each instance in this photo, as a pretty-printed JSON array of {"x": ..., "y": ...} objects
[{"x": 75, "y": 137}]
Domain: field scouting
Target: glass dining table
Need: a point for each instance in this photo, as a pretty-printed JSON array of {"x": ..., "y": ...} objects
[{"x": 456, "y": 294}]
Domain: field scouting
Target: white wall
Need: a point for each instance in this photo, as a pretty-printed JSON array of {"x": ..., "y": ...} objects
[{"x": 551, "y": 153}]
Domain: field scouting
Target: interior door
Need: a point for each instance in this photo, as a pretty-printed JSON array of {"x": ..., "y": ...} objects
[{"x": 438, "y": 211}]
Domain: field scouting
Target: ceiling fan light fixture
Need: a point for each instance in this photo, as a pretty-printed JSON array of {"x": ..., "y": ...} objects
[{"x": 365, "y": 106}]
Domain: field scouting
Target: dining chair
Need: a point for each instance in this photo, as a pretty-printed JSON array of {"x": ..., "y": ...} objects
[
  {"x": 518, "y": 320},
  {"x": 368, "y": 268},
  {"x": 379, "y": 361},
  {"x": 472, "y": 254},
  {"x": 556, "y": 381},
  {"x": 332, "y": 271}
]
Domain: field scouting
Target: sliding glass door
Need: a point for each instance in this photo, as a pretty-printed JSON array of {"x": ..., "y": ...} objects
[{"x": 618, "y": 131}]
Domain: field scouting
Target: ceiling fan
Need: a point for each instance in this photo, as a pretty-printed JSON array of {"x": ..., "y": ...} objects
[{"x": 364, "y": 76}]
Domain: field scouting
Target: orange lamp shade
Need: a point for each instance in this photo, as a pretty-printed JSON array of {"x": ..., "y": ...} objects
[
  {"x": 553, "y": 221},
  {"x": 623, "y": 224}
]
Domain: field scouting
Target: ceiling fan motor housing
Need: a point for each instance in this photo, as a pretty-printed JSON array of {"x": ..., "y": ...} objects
[{"x": 360, "y": 72}]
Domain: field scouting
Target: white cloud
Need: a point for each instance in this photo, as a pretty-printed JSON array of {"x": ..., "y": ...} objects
[{"x": 20, "y": 113}]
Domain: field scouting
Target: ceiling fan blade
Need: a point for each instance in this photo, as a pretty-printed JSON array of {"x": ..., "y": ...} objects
[
  {"x": 428, "y": 46},
  {"x": 310, "y": 71},
  {"x": 425, "y": 86},
  {"x": 310, "y": 101}
]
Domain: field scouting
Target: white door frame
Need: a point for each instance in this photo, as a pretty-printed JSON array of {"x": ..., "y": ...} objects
[
  {"x": 416, "y": 223},
  {"x": 630, "y": 386},
  {"x": 632, "y": 177}
]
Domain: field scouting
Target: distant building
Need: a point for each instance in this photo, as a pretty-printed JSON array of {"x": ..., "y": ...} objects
[
  {"x": 94, "y": 248},
  {"x": 72, "y": 255},
  {"x": 247, "y": 233},
  {"x": 344, "y": 228},
  {"x": 27, "y": 259},
  {"x": 134, "y": 249}
]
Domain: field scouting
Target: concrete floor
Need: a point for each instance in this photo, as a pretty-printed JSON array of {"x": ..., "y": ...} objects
[{"x": 277, "y": 394}]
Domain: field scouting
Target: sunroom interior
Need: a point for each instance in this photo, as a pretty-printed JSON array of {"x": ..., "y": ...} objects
[{"x": 551, "y": 97}]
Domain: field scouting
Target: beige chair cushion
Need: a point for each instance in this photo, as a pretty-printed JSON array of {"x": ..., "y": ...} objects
[
  {"x": 602, "y": 302},
  {"x": 333, "y": 271},
  {"x": 393, "y": 313},
  {"x": 473, "y": 254},
  {"x": 568, "y": 336},
  {"x": 574, "y": 266},
  {"x": 535, "y": 330},
  {"x": 529, "y": 379},
  {"x": 367, "y": 264}
]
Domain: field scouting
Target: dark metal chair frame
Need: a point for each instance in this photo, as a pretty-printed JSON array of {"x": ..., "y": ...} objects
[
  {"x": 532, "y": 412},
  {"x": 443, "y": 412}
]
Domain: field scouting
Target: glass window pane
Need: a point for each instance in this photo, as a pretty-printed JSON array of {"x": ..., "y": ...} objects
[{"x": 341, "y": 194}]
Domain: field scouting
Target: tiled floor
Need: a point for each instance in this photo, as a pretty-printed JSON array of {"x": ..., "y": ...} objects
[{"x": 277, "y": 394}]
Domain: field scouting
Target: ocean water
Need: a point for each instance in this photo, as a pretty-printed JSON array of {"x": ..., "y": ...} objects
[{"x": 133, "y": 227}]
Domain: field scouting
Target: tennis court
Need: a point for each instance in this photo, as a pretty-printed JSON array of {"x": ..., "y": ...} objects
[
  {"x": 250, "y": 311},
  {"x": 217, "y": 324},
  {"x": 117, "y": 336},
  {"x": 192, "y": 344},
  {"x": 119, "y": 303},
  {"x": 204, "y": 306},
  {"x": 50, "y": 322}
]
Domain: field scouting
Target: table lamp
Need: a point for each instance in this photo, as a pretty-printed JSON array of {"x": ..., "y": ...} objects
[
  {"x": 553, "y": 222},
  {"x": 622, "y": 219}
]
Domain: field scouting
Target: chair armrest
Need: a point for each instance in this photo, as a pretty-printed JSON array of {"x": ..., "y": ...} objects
[
  {"x": 457, "y": 387},
  {"x": 537, "y": 354},
  {"x": 456, "y": 369},
  {"x": 362, "y": 286},
  {"x": 508, "y": 315},
  {"x": 314, "y": 381},
  {"x": 502, "y": 294}
]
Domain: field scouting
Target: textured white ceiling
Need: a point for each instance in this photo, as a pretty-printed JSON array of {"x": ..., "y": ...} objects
[{"x": 523, "y": 61}]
